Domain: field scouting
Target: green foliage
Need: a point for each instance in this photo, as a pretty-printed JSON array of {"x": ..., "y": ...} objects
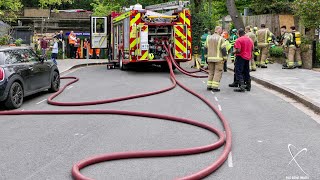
[
  {"x": 18, "y": 42},
  {"x": 9, "y": 9},
  {"x": 208, "y": 15},
  {"x": 318, "y": 51},
  {"x": 308, "y": 11},
  {"x": 270, "y": 6},
  {"x": 45, "y": 3},
  {"x": 276, "y": 51},
  {"x": 104, "y": 7},
  {"x": 4, "y": 40}
]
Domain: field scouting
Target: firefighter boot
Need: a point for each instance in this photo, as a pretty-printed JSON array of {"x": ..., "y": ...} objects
[
  {"x": 235, "y": 82},
  {"x": 248, "y": 85},
  {"x": 242, "y": 87}
]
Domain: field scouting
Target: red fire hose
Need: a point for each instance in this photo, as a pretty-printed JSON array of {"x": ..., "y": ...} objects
[{"x": 223, "y": 139}]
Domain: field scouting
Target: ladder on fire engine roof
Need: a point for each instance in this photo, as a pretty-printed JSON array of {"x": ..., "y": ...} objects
[{"x": 168, "y": 5}]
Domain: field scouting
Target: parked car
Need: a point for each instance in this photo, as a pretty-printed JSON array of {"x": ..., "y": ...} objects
[{"x": 23, "y": 73}]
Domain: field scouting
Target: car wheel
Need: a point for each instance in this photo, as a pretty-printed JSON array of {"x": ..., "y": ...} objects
[
  {"x": 15, "y": 96},
  {"x": 55, "y": 82}
]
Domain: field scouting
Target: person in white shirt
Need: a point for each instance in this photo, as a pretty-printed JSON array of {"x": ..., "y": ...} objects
[{"x": 54, "y": 54}]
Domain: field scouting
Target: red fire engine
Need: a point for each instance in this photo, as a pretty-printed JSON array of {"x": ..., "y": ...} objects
[{"x": 137, "y": 35}]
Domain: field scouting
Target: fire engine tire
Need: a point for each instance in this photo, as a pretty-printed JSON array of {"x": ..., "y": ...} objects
[
  {"x": 122, "y": 66},
  {"x": 223, "y": 139}
]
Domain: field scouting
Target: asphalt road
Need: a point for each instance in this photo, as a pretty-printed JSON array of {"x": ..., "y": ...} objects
[{"x": 263, "y": 126}]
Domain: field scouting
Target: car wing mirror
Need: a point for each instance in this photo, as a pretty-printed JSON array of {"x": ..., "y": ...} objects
[{"x": 42, "y": 58}]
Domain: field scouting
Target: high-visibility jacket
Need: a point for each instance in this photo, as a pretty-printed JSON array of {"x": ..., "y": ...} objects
[
  {"x": 233, "y": 39},
  {"x": 263, "y": 35},
  {"x": 203, "y": 39},
  {"x": 98, "y": 52},
  {"x": 215, "y": 44},
  {"x": 72, "y": 39}
]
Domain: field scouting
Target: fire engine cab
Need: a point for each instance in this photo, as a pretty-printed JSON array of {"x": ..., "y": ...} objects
[{"x": 138, "y": 35}]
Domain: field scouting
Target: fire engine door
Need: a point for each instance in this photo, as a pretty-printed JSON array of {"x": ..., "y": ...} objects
[
  {"x": 98, "y": 33},
  {"x": 180, "y": 41},
  {"x": 142, "y": 45}
]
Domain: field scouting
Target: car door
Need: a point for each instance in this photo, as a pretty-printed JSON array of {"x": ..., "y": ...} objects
[
  {"x": 41, "y": 70},
  {"x": 16, "y": 64}
]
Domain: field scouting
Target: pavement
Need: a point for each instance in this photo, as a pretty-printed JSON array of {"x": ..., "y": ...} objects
[{"x": 300, "y": 84}]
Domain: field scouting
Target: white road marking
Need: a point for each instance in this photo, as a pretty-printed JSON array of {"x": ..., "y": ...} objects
[
  {"x": 70, "y": 87},
  {"x": 230, "y": 163},
  {"x": 41, "y": 101},
  {"x": 220, "y": 109},
  {"x": 216, "y": 98},
  {"x": 22, "y": 109},
  {"x": 203, "y": 82},
  {"x": 212, "y": 92},
  {"x": 259, "y": 141}
]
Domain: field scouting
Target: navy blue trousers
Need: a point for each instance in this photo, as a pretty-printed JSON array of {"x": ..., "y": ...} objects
[{"x": 242, "y": 69}]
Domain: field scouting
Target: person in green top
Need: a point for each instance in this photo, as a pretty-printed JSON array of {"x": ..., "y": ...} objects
[
  {"x": 232, "y": 40},
  {"x": 203, "y": 48}
]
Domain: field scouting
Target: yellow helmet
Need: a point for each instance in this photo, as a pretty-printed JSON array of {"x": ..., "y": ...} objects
[
  {"x": 257, "y": 53},
  {"x": 255, "y": 28},
  {"x": 150, "y": 56}
]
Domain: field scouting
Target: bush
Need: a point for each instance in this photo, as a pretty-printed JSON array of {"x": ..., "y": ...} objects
[
  {"x": 4, "y": 40},
  {"x": 276, "y": 51},
  {"x": 18, "y": 42}
]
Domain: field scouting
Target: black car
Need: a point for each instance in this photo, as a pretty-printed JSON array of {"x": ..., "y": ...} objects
[{"x": 22, "y": 73}]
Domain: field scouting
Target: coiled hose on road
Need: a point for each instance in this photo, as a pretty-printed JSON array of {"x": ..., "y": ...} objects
[{"x": 224, "y": 139}]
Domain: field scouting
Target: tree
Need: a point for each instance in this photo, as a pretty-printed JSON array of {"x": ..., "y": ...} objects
[
  {"x": 308, "y": 11},
  {"x": 235, "y": 16},
  {"x": 104, "y": 7},
  {"x": 9, "y": 9},
  {"x": 45, "y": 3},
  {"x": 271, "y": 6}
]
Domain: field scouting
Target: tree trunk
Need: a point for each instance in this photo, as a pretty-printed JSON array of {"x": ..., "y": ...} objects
[{"x": 235, "y": 16}]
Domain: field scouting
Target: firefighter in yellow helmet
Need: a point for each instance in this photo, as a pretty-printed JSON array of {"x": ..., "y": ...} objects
[
  {"x": 217, "y": 54},
  {"x": 253, "y": 37},
  {"x": 294, "y": 54},
  {"x": 263, "y": 44}
]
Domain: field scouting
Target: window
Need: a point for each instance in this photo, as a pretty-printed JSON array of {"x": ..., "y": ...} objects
[
  {"x": 12, "y": 57},
  {"x": 19, "y": 56}
]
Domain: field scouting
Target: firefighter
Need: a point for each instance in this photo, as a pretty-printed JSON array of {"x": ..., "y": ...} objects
[
  {"x": 253, "y": 37},
  {"x": 203, "y": 49},
  {"x": 263, "y": 35},
  {"x": 216, "y": 56},
  {"x": 294, "y": 52},
  {"x": 283, "y": 42},
  {"x": 232, "y": 40}
]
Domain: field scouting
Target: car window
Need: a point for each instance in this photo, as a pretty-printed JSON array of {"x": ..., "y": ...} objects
[
  {"x": 29, "y": 55},
  {"x": 13, "y": 57}
]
